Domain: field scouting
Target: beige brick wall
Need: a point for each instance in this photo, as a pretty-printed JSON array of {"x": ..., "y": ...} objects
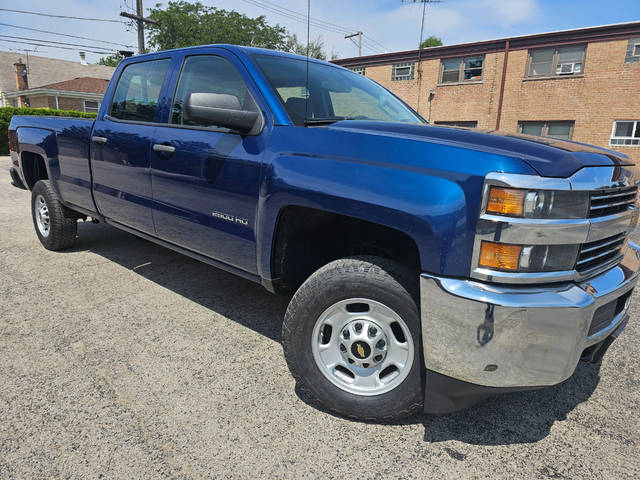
[{"x": 609, "y": 90}]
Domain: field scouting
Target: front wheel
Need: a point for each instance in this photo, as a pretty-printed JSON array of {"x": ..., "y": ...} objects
[
  {"x": 55, "y": 225},
  {"x": 351, "y": 337}
]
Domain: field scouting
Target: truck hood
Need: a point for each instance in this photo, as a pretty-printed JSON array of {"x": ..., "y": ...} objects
[{"x": 550, "y": 157}]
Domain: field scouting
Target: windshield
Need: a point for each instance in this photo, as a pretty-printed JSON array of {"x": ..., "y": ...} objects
[{"x": 334, "y": 93}]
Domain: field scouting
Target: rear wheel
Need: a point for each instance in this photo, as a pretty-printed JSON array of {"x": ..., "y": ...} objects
[
  {"x": 56, "y": 225},
  {"x": 351, "y": 337}
]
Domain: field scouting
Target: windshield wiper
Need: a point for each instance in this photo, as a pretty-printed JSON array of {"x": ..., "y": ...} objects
[{"x": 325, "y": 121}]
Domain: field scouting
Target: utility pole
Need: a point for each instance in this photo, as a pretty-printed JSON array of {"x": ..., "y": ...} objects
[
  {"x": 359, "y": 44},
  {"x": 140, "y": 20}
]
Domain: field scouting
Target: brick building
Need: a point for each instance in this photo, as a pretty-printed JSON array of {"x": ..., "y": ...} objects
[
  {"x": 83, "y": 94},
  {"x": 582, "y": 85}
]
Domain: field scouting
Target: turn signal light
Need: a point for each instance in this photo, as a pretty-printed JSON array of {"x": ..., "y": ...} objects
[
  {"x": 501, "y": 256},
  {"x": 506, "y": 201}
]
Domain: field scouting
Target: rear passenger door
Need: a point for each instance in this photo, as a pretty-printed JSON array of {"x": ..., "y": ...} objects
[
  {"x": 205, "y": 178},
  {"x": 121, "y": 145}
]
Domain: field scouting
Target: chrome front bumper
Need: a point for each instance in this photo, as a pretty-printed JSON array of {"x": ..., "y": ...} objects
[{"x": 517, "y": 336}]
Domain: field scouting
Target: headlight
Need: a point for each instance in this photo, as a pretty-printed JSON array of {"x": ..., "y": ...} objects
[
  {"x": 527, "y": 258},
  {"x": 515, "y": 202}
]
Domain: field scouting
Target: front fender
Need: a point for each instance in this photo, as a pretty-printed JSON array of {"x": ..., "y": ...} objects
[{"x": 432, "y": 210}]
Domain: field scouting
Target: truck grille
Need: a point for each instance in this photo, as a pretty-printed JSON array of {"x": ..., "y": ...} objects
[
  {"x": 594, "y": 255},
  {"x": 611, "y": 201}
]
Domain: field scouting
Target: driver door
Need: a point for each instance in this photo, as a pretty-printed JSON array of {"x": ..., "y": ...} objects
[{"x": 205, "y": 178}]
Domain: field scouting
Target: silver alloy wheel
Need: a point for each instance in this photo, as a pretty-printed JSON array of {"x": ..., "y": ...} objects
[
  {"x": 362, "y": 346},
  {"x": 41, "y": 212}
]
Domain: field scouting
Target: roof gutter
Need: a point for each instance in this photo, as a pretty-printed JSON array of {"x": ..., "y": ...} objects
[{"x": 50, "y": 92}]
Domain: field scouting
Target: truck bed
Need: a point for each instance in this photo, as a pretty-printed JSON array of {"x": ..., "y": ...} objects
[{"x": 64, "y": 141}]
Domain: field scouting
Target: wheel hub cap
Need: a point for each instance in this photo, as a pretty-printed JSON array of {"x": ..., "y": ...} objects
[
  {"x": 362, "y": 346},
  {"x": 363, "y": 343}
]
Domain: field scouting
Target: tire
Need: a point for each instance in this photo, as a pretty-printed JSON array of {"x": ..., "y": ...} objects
[
  {"x": 56, "y": 225},
  {"x": 374, "y": 292}
]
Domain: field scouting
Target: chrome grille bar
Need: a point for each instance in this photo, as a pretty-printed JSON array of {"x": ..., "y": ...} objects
[
  {"x": 599, "y": 254},
  {"x": 609, "y": 202}
]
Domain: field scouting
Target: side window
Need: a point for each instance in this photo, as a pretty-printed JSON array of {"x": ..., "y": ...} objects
[
  {"x": 208, "y": 74},
  {"x": 138, "y": 90}
]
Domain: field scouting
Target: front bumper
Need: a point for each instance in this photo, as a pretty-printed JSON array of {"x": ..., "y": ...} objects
[{"x": 514, "y": 336}]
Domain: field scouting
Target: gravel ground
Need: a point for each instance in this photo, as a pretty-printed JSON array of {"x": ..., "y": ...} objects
[{"x": 121, "y": 359}]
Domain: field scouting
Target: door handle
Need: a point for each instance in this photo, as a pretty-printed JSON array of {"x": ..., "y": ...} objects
[
  {"x": 161, "y": 148},
  {"x": 95, "y": 139}
]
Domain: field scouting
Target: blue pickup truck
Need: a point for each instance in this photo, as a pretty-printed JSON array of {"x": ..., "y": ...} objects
[{"x": 430, "y": 267}]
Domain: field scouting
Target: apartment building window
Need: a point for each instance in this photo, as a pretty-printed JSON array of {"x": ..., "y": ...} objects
[
  {"x": 91, "y": 106},
  {"x": 556, "y": 61},
  {"x": 626, "y": 132},
  {"x": 402, "y": 71},
  {"x": 358, "y": 70},
  {"x": 633, "y": 51},
  {"x": 456, "y": 70},
  {"x": 562, "y": 129},
  {"x": 461, "y": 124}
]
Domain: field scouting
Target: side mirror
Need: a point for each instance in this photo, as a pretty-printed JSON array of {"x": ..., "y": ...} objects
[{"x": 219, "y": 109}]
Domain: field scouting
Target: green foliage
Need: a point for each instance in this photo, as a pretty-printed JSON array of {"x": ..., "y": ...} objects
[
  {"x": 431, "y": 41},
  {"x": 111, "y": 60},
  {"x": 7, "y": 112},
  {"x": 316, "y": 47},
  {"x": 185, "y": 24}
]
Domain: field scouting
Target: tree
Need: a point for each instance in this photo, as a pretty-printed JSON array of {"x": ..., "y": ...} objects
[
  {"x": 183, "y": 24},
  {"x": 431, "y": 41},
  {"x": 316, "y": 47},
  {"x": 111, "y": 60}
]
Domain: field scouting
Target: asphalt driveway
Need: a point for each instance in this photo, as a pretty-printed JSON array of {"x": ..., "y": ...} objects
[{"x": 121, "y": 359}]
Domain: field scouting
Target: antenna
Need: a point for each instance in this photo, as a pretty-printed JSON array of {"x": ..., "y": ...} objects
[
  {"x": 306, "y": 82},
  {"x": 424, "y": 11}
]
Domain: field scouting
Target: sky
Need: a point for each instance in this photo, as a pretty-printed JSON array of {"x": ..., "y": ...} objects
[{"x": 388, "y": 25}]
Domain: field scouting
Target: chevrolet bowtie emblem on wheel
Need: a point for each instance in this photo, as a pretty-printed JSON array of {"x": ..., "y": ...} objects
[{"x": 360, "y": 351}]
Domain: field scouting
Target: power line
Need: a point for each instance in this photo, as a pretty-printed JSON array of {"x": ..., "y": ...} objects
[
  {"x": 50, "y": 41},
  {"x": 300, "y": 17},
  {"x": 102, "y": 52},
  {"x": 60, "y": 16},
  {"x": 342, "y": 28},
  {"x": 65, "y": 35}
]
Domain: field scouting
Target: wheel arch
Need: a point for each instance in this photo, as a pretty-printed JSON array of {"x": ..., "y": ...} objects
[{"x": 305, "y": 238}]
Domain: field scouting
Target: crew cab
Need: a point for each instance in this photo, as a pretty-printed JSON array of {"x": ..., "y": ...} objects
[{"x": 429, "y": 266}]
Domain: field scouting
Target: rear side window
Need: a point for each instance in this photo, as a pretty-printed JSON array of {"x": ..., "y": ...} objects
[
  {"x": 138, "y": 90},
  {"x": 208, "y": 74}
]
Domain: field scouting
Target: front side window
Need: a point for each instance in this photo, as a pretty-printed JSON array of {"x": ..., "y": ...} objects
[
  {"x": 554, "y": 61},
  {"x": 138, "y": 90},
  {"x": 208, "y": 74},
  {"x": 402, "y": 71},
  {"x": 333, "y": 93},
  {"x": 626, "y": 132},
  {"x": 456, "y": 70},
  {"x": 563, "y": 129}
]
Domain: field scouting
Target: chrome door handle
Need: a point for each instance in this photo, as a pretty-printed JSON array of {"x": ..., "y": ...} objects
[
  {"x": 95, "y": 139},
  {"x": 160, "y": 148}
]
